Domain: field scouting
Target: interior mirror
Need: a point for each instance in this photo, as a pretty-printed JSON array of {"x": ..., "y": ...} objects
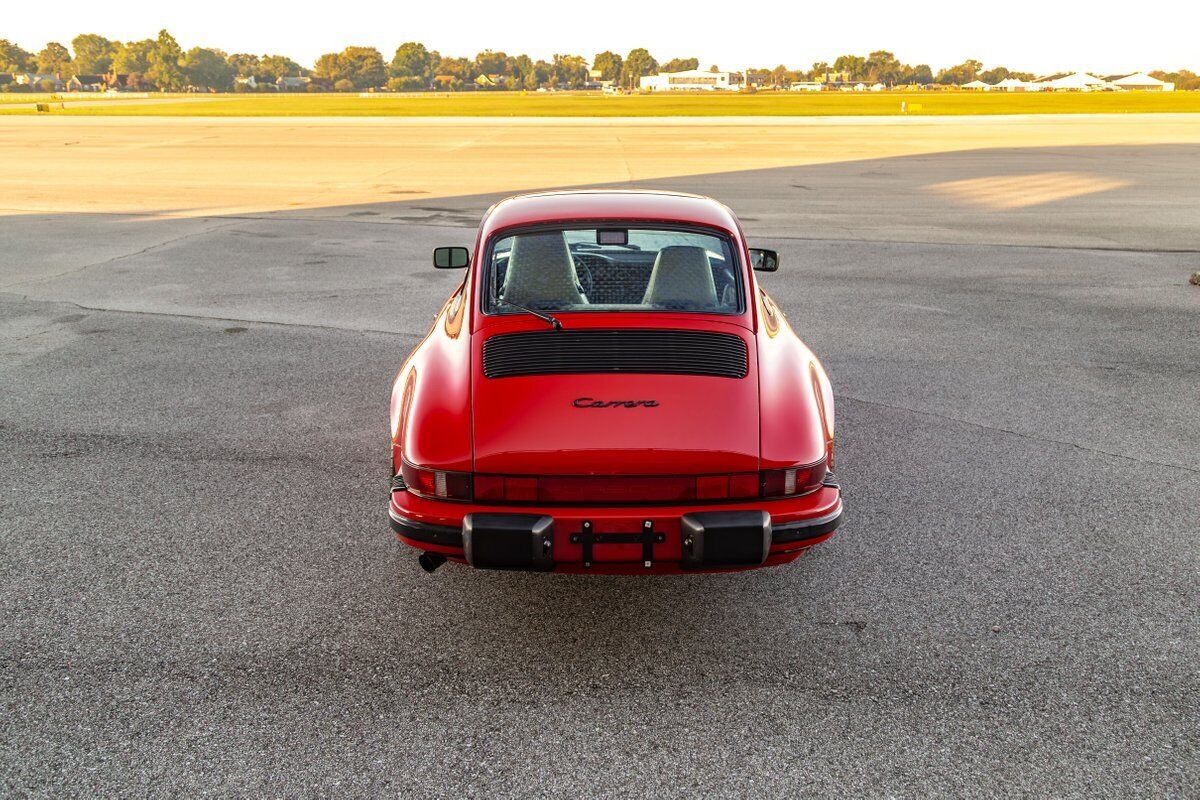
[
  {"x": 451, "y": 257},
  {"x": 764, "y": 260}
]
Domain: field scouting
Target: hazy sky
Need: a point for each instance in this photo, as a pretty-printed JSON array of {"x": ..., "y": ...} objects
[{"x": 1042, "y": 36}]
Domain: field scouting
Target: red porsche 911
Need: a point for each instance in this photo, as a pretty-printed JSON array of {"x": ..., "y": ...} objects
[{"x": 609, "y": 390}]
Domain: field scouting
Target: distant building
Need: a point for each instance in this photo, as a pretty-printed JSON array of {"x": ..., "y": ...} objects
[
  {"x": 1014, "y": 85},
  {"x": 807, "y": 86},
  {"x": 596, "y": 80},
  {"x": 833, "y": 77},
  {"x": 832, "y": 80},
  {"x": 1073, "y": 82},
  {"x": 249, "y": 81},
  {"x": 688, "y": 80},
  {"x": 977, "y": 85},
  {"x": 85, "y": 83},
  {"x": 36, "y": 79},
  {"x": 292, "y": 83},
  {"x": 489, "y": 81},
  {"x": 1140, "y": 81}
]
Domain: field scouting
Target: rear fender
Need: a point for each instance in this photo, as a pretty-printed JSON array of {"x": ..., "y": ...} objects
[
  {"x": 430, "y": 408},
  {"x": 796, "y": 417}
]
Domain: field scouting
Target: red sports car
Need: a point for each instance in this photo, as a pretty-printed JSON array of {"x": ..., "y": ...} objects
[{"x": 609, "y": 390}]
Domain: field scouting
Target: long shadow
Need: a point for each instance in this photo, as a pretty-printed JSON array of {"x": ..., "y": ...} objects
[{"x": 1129, "y": 197}]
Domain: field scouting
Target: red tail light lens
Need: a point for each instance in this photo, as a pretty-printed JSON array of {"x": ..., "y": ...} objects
[
  {"x": 616, "y": 489},
  {"x": 793, "y": 480},
  {"x": 436, "y": 483},
  {"x": 612, "y": 489}
]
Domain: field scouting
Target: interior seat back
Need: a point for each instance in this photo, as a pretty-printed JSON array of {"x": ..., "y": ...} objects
[
  {"x": 541, "y": 272},
  {"x": 682, "y": 276}
]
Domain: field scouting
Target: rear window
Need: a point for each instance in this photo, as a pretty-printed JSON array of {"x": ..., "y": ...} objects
[{"x": 612, "y": 269}]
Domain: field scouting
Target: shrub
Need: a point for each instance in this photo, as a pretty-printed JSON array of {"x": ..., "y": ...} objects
[
  {"x": 408, "y": 83},
  {"x": 344, "y": 86}
]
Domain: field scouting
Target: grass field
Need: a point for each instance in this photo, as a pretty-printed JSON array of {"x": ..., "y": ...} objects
[{"x": 596, "y": 105}]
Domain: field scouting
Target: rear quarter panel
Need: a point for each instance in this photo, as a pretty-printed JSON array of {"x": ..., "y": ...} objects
[
  {"x": 796, "y": 404},
  {"x": 430, "y": 407}
]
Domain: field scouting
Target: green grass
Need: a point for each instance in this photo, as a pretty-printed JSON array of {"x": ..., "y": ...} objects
[{"x": 505, "y": 104}]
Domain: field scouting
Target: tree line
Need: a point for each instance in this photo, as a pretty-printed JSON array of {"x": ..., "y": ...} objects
[
  {"x": 161, "y": 64},
  {"x": 158, "y": 63}
]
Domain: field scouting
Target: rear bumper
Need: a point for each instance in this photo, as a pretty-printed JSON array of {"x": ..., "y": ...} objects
[
  {"x": 804, "y": 530},
  {"x": 619, "y": 540}
]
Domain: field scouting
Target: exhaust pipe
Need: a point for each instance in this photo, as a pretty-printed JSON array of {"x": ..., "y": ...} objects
[{"x": 430, "y": 561}]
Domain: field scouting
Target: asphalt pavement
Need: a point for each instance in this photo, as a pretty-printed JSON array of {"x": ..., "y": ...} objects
[{"x": 200, "y": 593}]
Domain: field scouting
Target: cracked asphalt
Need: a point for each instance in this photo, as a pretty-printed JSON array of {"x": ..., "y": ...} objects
[{"x": 200, "y": 595}]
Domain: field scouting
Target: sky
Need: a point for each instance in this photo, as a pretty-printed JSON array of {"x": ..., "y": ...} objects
[{"x": 1043, "y": 37}]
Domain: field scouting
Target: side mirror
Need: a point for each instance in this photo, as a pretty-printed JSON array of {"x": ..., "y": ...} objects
[
  {"x": 763, "y": 260},
  {"x": 451, "y": 257}
]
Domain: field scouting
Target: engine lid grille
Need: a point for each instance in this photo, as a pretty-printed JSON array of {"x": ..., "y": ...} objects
[{"x": 654, "y": 351}]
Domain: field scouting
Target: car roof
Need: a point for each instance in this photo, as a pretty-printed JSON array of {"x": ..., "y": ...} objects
[{"x": 609, "y": 204}]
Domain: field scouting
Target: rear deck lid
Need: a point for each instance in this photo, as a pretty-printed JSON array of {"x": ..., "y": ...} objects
[{"x": 591, "y": 401}]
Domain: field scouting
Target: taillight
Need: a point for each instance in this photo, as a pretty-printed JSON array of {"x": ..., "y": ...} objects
[
  {"x": 614, "y": 489},
  {"x": 793, "y": 480},
  {"x": 436, "y": 483}
]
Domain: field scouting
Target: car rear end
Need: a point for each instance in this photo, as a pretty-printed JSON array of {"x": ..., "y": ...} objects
[{"x": 615, "y": 414}]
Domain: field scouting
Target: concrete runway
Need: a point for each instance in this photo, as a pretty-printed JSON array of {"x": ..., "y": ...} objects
[{"x": 200, "y": 594}]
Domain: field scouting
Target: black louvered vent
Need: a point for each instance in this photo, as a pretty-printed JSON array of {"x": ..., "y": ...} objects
[{"x": 649, "y": 351}]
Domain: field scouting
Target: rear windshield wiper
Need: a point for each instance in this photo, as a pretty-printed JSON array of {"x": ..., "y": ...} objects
[{"x": 542, "y": 315}]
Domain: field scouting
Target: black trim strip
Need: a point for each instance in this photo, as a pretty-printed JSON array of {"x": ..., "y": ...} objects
[
  {"x": 425, "y": 532},
  {"x": 805, "y": 529}
]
